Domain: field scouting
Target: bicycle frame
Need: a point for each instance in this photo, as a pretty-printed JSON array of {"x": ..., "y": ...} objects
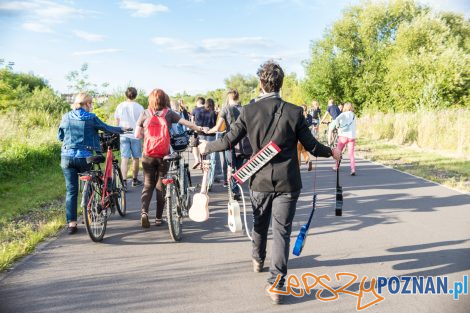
[{"x": 104, "y": 178}]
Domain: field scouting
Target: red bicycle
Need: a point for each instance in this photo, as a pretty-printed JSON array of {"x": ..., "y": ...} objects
[{"x": 103, "y": 193}]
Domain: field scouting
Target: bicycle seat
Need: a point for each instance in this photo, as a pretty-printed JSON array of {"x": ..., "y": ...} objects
[
  {"x": 172, "y": 157},
  {"x": 96, "y": 159}
]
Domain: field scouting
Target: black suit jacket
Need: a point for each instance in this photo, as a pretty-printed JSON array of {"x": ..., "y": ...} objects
[{"x": 282, "y": 173}]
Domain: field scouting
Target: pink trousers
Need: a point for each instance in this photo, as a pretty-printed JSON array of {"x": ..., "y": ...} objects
[{"x": 342, "y": 142}]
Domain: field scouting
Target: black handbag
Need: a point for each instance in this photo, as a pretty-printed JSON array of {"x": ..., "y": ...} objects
[{"x": 179, "y": 142}]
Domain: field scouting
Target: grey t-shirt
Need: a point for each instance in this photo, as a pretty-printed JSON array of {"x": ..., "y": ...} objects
[
  {"x": 230, "y": 114},
  {"x": 170, "y": 117}
]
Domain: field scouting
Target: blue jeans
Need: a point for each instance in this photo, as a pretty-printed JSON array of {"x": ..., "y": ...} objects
[{"x": 71, "y": 166}]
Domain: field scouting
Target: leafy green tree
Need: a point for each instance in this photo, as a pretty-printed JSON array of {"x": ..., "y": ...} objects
[
  {"x": 79, "y": 82},
  {"x": 247, "y": 86},
  {"x": 292, "y": 90}
]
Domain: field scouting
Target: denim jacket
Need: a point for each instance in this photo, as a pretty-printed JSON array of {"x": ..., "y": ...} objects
[{"x": 79, "y": 130}]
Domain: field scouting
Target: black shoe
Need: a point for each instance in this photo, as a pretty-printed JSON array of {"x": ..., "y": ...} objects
[
  {"x": 136, "y": 182},
  {"x": 237, "y": 197},
  {"x": 225, "y": 184},
  {"x": 353, "y": 173},
  {"x": 72, "y": 229}
]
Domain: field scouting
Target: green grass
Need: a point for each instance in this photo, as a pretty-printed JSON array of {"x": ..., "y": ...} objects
[
  {"x": 31, "y": 186},
  {"x": 446, "y": 170}
]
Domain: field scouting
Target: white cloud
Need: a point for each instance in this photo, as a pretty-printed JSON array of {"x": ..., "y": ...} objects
[
  {"x": 37, "y": 27},
  {"x": 173, "y": 44},
  {"x": 42, "y": 14},
  {"x": 143, "y": 9},
  {"x": 88, "y": 36},
  {"x": 214, "y": 46},
  {"x": 94, "y": 52},
  {"x": 231, "y": 43}
]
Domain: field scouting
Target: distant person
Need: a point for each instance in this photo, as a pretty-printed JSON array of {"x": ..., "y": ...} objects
[
  {"x": 183, "y": 109},
  {"x": 275, "y": 188},
  {"x": 316, "y": 115},
  {"x": 332, "y": 111},
  {"x": 153, "y": 165},
  {"x": 200, "y": 102},
  {"x": 205, "y": 117},
  {"x": 346, "y": 124},
  {"x": 300, "y": 148},
  {"x": 237, "y": 155},
  {"x": 340, "y": 107},
  {"x": 78, "y": 132},
  {"x": 126, "y": 115}
]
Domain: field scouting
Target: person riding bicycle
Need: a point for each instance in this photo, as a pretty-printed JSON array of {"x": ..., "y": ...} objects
[
  {"x": 155, "y": 168},
  {"x": 333, "y": 111},
  {"x": 78, "y": 130}
]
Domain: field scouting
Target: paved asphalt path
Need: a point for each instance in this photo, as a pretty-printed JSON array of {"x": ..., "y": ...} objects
[{"x": 392, "y": 224}]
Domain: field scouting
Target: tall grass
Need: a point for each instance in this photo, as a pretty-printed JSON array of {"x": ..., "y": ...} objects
[{"x": 444, "y": 131}]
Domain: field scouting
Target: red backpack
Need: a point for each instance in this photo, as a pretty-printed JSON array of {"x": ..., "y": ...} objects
[{"x": 157, "y": 137}]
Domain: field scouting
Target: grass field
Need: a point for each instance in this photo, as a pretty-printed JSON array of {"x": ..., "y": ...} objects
[{"x": 449, "y": 171}]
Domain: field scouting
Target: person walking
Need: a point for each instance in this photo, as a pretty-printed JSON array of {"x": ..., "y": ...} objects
[
  {"x": 346, "y": 124},
  {"x": 316, "y": 115},
  {"x": 275, "y": 188},
  {"x": 156, "y": 136},
  {"x": 203, "y": 116},
  {"x": 126, "y": 115},
  {"x": 300, "y": 148},
  {"x": 237, "y": 155},
  {"x": 78, "y": 131}
]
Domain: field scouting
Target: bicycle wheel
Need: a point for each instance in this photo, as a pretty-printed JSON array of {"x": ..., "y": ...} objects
[
  {"x": 94, "y": 215},
  {"x": 120, "y": 188},
  {"x": 188, "y": 199},
  {"x": 172, "y": 214}
]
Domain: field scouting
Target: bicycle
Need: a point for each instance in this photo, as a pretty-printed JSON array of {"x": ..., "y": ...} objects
[
  {"x": 103, "y": 192},
  {"x": 178, "y": 193},
  {"x": 334, "y": 134}
]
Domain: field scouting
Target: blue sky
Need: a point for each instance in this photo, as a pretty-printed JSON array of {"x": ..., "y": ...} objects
[{"x": 178, "y": 45}]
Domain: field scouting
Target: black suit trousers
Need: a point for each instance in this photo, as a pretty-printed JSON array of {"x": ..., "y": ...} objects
[{"x": 281, "y": 207}]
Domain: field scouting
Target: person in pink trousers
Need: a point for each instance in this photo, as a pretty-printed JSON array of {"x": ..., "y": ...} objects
[{"x": 346, "y": 124}]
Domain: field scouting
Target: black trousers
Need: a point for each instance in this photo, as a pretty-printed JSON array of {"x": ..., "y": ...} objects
[{"x": 281, "y": 206}]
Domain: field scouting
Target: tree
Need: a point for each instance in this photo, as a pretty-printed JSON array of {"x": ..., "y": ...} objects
[
  {"x": 246, "y": 85},
  {"x": 292, "y": 90},
  {"x": 79, "y": 82}
]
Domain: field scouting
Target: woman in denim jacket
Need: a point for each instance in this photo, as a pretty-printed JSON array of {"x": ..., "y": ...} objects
[{"x": 78, "y": 131}]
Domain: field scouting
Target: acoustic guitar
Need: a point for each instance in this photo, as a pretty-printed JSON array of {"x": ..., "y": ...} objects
[
  {"x": 339, "y": 194},
  {"x": 302, "y": 236},
  {"x": 199, "y": 211},
  {"x": 234, "y": 219}
]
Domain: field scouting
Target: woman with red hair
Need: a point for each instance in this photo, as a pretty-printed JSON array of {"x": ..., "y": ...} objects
[{"x": 155, "y": 168}]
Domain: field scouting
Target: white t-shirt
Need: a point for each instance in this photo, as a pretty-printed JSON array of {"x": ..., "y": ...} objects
[
  {"x": 346, "y": 124},
  {"x": 128, "y": 113}
]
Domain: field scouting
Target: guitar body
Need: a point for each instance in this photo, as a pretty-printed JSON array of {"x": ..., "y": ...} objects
[
  {"x": 300, "y": 242},
  {"x": 234, "y": 219},
  {"x": 199, "y": 211}
]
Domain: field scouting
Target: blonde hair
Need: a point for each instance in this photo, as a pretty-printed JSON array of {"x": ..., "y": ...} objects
[
  {"x": 81, "y": 99},
  {"x": 175, "y": 106},
  {"x": 315, "y": 103},
  {"x": 348, "y": 106}
]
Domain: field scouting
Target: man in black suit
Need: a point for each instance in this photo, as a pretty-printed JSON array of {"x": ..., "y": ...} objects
[{"x": 275, "y": 188}]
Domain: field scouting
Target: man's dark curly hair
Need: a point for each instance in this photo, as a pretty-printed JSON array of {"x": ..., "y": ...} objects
[{"x": 271, "y": 76}]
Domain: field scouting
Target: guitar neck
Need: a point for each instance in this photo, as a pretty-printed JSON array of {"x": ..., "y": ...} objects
[{"x": 204, "y": 179}]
